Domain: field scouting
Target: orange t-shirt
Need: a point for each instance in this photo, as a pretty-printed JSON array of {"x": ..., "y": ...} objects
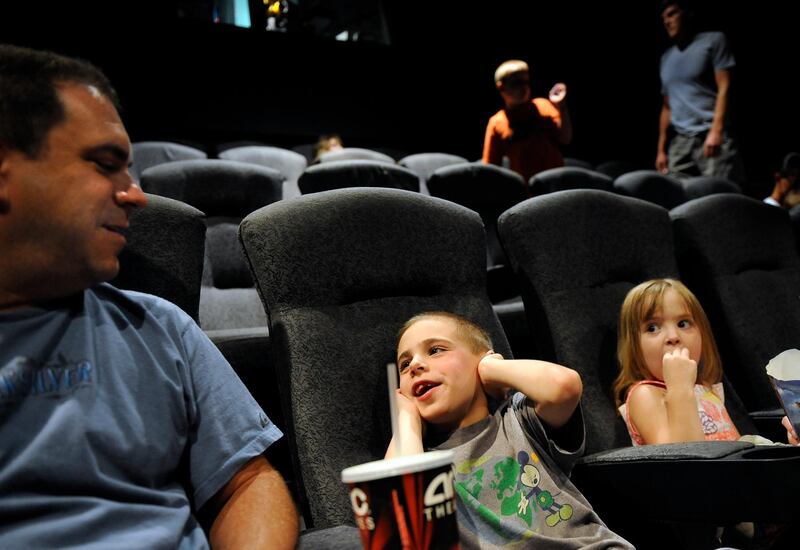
[{"x": 527, "y": 136}]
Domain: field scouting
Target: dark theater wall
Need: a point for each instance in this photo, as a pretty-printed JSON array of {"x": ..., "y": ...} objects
[{"x": 432, "y": 88}]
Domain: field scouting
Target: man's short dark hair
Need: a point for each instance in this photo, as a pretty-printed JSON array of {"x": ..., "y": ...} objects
[
  {"x": 685, "y": 5},
  {"x": 29, "y": 102}
]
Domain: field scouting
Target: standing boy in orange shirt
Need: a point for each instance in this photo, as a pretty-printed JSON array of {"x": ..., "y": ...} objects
[{"x": 527, "y": 131}]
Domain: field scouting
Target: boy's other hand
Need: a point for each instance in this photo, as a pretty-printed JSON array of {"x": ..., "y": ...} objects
[
  {"x": 679, "y": 370},
  {"x": 558, "y": 93},
  {"x": 410, "y": 429},
  {"x": 404, "y": 404},
  {"x": 493, "y": 389}
]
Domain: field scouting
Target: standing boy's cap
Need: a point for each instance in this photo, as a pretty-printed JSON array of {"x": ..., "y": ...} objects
[
  {"x": 791, "y": 164},
  {"x": 510, "y": 67}
]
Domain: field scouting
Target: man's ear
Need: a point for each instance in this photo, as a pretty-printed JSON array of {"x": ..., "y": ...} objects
[{"x": 499, "y": 85}]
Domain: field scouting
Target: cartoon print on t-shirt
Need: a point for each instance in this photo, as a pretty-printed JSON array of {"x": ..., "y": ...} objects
[
  {"x": 503, "y": 501},
  {"x": 529, "y": 479}
]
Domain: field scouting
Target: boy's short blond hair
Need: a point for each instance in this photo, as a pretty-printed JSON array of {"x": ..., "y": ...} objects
[
  {"x": 471, "y": 334},
  {"x": 507, "y": 68}
]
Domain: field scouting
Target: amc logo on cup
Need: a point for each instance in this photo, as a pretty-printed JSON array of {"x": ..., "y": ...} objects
[{"x": 405, "y": 503}]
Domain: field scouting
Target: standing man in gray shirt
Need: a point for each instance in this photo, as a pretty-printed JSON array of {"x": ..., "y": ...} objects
[{"x": 695, "y": 82}]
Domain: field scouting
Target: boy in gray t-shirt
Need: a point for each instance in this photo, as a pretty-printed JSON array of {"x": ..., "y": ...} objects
[{"x": 511, "y": 467}]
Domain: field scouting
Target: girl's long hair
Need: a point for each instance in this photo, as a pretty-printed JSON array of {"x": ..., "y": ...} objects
[{"x": 640, "y": 304}]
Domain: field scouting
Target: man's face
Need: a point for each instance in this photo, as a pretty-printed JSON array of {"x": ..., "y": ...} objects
[
  {"x": 67, "y": 207},
  {"x": 673, "y": 19},
  {"x": 439, "y": 374},
  {"x": 515, "y": 89}
]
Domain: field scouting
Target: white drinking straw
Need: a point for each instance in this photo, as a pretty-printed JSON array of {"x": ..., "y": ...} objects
[{"x": 391, "y": 378}]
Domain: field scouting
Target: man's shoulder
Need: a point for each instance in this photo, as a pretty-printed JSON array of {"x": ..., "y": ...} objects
[
  {"x": 715, "y": 41},
  {"x": 135, "y": 303},
  {"x": 710, "y": 36}
]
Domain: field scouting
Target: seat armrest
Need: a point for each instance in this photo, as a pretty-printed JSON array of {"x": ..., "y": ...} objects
[{"x": 660, "y": 482}]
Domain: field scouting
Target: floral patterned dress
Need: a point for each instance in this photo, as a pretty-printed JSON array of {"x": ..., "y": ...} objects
[{"x": 717, "y": 424}]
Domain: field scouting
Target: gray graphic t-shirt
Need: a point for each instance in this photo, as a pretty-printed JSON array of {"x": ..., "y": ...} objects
[{"x": 512, "y": 487}]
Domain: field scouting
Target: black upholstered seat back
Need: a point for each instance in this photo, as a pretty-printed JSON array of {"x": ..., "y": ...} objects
[
  {"x": 578, "y": 163},
  {"x": 794, "y": 216},
  {"x": 220, "y": 188},
  {"x": 354, "y": 153},
  {"x": 289, "y": 163},
  {"x": 739, "y": 256},
  {"x": 577, "y": 253},
  {"x": 569, "y": 177},
  {"x": 339, "y": 273},
  {"x": 701, "y": 186},
  {"x": 615, "y": 168},
  {"x": 152, "y": 153},
  {"x": 487, "y": 189},
  {"x": 651, "y": 186},
  {"x": 226, "y": 191},
  {"x": 425, "y": 164},
  {"x": 356, "y": 173},
  {"x": 164, "y": 254}
]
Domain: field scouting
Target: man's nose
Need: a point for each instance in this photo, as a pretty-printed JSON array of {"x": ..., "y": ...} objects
[{"x": 131, "y": 196}]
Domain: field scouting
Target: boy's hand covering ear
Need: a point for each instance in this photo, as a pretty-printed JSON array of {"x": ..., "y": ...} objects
[{"x": 494, "y": 390}]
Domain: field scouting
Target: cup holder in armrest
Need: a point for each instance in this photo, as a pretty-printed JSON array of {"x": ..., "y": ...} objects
[{"x": 769, "y": 452}]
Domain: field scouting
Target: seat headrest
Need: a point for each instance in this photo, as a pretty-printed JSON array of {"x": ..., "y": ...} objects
[
  {"x": 356, "y": 173},
  {"x": 708, "y": 226},
  {"x": 616, "y": 239},
  {"x": 355, "y": 244},
  {"x": 216, "y": 187}
]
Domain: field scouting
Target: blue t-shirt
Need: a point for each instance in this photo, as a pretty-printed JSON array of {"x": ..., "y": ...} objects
[
  {"x": 687, "y": 79},
  {"x": 118, "y": 417}
]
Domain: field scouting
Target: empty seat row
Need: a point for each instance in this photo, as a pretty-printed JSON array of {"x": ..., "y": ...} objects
[
  {"x": 299, "y": 178},
  {"x": 649, "y": 185},
  {"x": 228, "y": 190},
  {"x": 290, "y": 163}
]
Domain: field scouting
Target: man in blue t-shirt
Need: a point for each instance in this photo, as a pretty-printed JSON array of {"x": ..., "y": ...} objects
[
  {"x": 695, "y": 82},
  {"x": 120, "y": 422}
]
